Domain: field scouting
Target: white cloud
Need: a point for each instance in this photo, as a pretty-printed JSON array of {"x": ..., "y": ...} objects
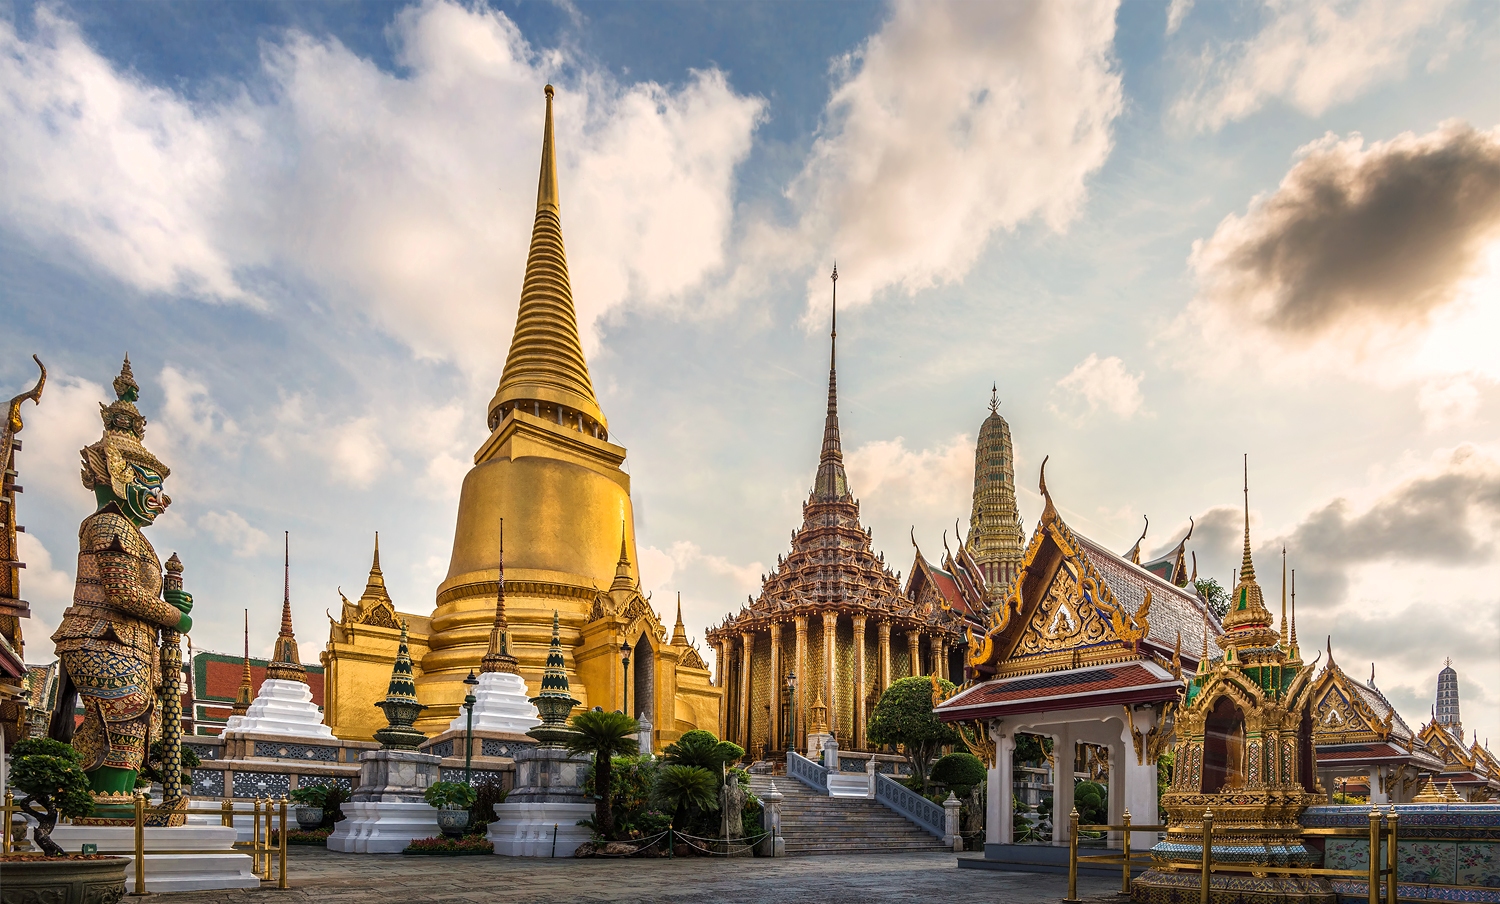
[
  {"x": 1177, "y": 10},
  {"x": 1099, "y": 383},
  {"x": 406, "y": 198},
  {"x": 660, "y": 566},
  {"x": 190, "y": 413},
  {"x": 1448, "y": 402},
  {"x": 951, "y": 123},
  {"x": 1311, "y": 56},
  {"x": 49, "y": 590},
  {"x": 924, "y": 482},
  {"x": 352, "y": 450},
  {"x": 66, "y": 420},
  {"x": 231, "y": 529},
  {"x": 126, "y": 173}
]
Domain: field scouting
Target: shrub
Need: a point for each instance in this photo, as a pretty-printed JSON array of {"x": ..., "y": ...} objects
[
  {"x": 1091, "y": 802},
  {"x": 450, "y": 795},
  {"x": 50, "y": 776},
  {"x": 450, "y": 846},
  {"x": 701, "y": 748},
  {"x": 311, "y": 795},
  {"x": 486, "y": 796},
  {"x": 960, "y": 772},
  {"x": 681, "y": 789}
]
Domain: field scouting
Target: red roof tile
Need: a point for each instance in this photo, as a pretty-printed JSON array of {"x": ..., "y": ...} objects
[{"x": 1071, "y": 689}]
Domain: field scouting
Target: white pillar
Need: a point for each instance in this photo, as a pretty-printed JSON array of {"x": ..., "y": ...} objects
[
  {"x": 1115, "y": 799},
  {"x": 1138, "y": 782},
  {"x": 999, "y": 816},
  {"x": 1377, "y": 796},
  {"x": 1063, "y": 753}
]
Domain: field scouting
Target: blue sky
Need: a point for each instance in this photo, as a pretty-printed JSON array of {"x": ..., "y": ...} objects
[{"x": 1171, "y": 233}]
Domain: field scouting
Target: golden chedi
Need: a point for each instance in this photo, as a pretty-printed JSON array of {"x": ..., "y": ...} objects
[{"x": 549, "y": 470}]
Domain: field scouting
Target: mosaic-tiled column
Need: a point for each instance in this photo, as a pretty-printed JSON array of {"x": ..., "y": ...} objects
[
  {"x": 830, "y": 688},
  {"x": 914, "y": 646},
  {"x": 773, "y": 693},
  {"x": 858, "y": 733},
  {"x": 747, "y": 644},
  {"x": 884, "y": 629},
  {"x": 803, "y": 679}
]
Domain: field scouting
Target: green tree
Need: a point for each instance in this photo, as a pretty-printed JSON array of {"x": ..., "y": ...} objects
[
  {"x": 1031, "y": 748},
  {"x": 904, "y": 716},
  {"x": 50, "y": 775},
  {"x": 701, "y": 748},
  {"x": 960, "y": 772},
  {"x": 1217, "y": 596},
  {"x": 604, "y": 735},
  {"x": 682, "y": 789}
]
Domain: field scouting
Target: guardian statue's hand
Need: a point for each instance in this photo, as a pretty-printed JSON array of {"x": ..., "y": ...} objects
[{"x": 179, "y": 598}]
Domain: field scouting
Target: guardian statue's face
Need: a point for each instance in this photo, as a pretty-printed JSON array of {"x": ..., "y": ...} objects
[{"x": 144, "y": 499}]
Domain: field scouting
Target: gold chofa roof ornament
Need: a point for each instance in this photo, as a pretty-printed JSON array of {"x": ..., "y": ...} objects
[{"x": 546, "y": 367}]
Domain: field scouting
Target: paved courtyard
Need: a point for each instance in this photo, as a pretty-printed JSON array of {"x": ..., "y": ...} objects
[{"x": 320, "y": 876}]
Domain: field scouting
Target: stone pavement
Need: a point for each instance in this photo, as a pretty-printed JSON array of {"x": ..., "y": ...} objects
[{"x": 317, "y": 875}]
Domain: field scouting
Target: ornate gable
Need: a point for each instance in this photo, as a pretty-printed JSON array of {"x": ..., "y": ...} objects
[
  {"x": 1442, "y": 743},
  {"x": 1341, "y": 714}
]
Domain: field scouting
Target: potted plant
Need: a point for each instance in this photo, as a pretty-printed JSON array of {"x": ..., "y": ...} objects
[
  {"x": 453, "y": 800},
  {"x": 52, "y": 783},
  {"x": 310, "y": 800}
]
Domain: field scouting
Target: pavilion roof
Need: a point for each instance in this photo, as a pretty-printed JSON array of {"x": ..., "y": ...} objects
[{"x": 1105, "y": 685}]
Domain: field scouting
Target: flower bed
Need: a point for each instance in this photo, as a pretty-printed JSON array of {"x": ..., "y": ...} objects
[{"x": 451, "y": 847}]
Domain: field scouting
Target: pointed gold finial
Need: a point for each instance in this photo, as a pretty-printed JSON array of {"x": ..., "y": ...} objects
[
  {"x": 498, "y": 657},
  {"x": 622, "y": 579},
  {"x": 994, "y": 398},
  {"x": 1285, "y": 636},
  {"x": 546, "y": 188},
  {"x": 247, "y": 690},
  {"x": 679, "y": 631},
  {"x": 286, "y": 663}
]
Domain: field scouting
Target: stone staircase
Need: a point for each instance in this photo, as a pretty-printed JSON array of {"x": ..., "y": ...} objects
[{"x": 813, "y": 823}]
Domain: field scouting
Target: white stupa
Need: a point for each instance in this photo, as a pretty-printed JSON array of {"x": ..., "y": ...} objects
[
  {"x": 500, "y": 701},
  {"x": 283, "y": 706}
]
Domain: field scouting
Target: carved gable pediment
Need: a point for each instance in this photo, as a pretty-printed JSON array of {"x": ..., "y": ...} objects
[{"x": 1340, "y": 713}]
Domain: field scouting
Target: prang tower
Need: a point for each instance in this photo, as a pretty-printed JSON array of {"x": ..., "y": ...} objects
[{"x": 995, "y": 540}]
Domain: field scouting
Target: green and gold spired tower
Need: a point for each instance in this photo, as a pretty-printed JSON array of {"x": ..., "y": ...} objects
[
  {"x": 400, "y": 705},
  {"x": 1244, "y": 754}
]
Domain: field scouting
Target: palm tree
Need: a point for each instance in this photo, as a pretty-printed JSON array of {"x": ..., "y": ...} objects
[
  {"x": 605, "y": 736},
  {"x": 680, "y": 788}
]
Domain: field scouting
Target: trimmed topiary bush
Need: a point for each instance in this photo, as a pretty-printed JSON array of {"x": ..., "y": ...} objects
[{"x": 959, "y": 772}]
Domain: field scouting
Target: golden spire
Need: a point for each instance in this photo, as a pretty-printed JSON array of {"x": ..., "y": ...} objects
[
  {"x": 1296, "y": 653},
  {"x": 247, "y": 691},
  {"x": 286, "y": 664},
  {"x": 1285, "y": 637},
  {"x": 546, "y": 367},
  {"x": 622, "y": 568},
  {"x": 1248, "y": 623},
  {"x": 832, "y": 483},
  {"x": 498, "y": 658},
  {"x": 679, "y": 632},
  {"x": 375, "y": 584}
]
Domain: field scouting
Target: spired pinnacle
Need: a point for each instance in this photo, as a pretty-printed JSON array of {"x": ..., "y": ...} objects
[
  {"x": 832, "y": 483},
  {"x": 554, "y": 703},
  {"x": 286, "y": 664},
  {"x": 400, "y": 704},
  {"x": 679, "y": 632},
  {"x": 1248, "y": 623},
  {"x": 622, "y": 579},
  {"x": 545, "y": 373},
  {"x": 498, "y": 658},
  {"x": 247, "y": 690}
]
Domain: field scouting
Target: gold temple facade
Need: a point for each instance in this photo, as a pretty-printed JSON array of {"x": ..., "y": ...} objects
[
  {"x": 833, "y": 615},
  {"x": 549, "y": 470}
]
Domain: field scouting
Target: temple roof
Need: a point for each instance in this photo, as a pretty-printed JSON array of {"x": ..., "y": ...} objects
[
  {"x": 1111, "y": 685},
  {"x": 546, "y": 362},
  {"x": 1173, "y": 608}
]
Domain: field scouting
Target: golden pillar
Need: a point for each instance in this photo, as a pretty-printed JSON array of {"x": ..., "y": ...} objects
[
  {"x": 802, "y": 680},
  {"x": 830, "y": 689},
  {"x": 914, "y": 646},
  {"x": 885, "y": 655},
  {"x": 747, "y": 644},
  {"x": 721, "y": 665},
  {"x": 773, "y": 692},
  {"x": 941, "y": 666},
  {"x": 859, "y": 682}
]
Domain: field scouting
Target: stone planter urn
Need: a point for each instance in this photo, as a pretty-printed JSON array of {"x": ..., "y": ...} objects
[
  {"x": 309, "y": 818},
  {"x": 454, "y": 823},
  {"x": 70, "y": 881}
]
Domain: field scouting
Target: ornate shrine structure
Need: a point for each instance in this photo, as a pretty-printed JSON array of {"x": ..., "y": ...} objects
[
  {"x": 832, "y": 614},
  {"x": 1087, "y": 647},
  {"x": 549, "y": 469},
  {"x": 1470, "y": 773},
  {"x": 15, "y": 692},
  {"x": 996, "y": 538}
]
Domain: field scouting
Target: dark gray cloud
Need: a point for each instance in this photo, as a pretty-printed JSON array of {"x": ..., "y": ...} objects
[{"x": 1383, "y": 235}]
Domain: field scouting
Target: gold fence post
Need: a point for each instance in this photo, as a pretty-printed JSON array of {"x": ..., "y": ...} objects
[
  {"x": 1390, "y": 857},
  {"x": 1374, "y": 889},
  {"x": 265, "y": 842},
  {"x": 281, "y": 873},
  {"x": 140, "y": 844},
  {"x": 226, "y": 813},
  {"x": 1207, "y": 859},
  {"x": 1125, "y": 869},
  {"x": 1072, "y": 897},
  {"x": 255, "y": 864},
  {"x": 10, "y": 807}
]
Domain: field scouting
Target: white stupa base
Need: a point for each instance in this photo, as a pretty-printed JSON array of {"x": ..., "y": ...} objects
[
  {"x": 527, "y": 829},
  {"x": 500, "y": 704},
  {"x": 283, "y": 707},
  {"x": 221, "y": 867},
  {"x": 382, "y": 827}
]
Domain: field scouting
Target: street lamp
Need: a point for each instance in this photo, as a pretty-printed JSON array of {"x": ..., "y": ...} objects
[
  {"x": 625, "y": 676},
  {"x": 470, "y": 682},
  {"x": 791, "y": 690}
]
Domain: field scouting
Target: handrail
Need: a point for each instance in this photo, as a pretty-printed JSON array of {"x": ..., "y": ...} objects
[
  {"x": 812, "y": 774},
  {"x": 927, "y": 815},
  {"x": 1206, "y": 864}
]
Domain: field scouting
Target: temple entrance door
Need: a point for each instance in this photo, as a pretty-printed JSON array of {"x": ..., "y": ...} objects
[
  {"x": 643, "y": 682},
  {"x": 1223, "y": 748}
]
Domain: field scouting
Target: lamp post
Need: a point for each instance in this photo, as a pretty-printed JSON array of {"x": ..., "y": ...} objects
[
  {"x": 625, "y": 676},
  {"x": 470, "y": 683},
  {"x": 791, "y": 687}
]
